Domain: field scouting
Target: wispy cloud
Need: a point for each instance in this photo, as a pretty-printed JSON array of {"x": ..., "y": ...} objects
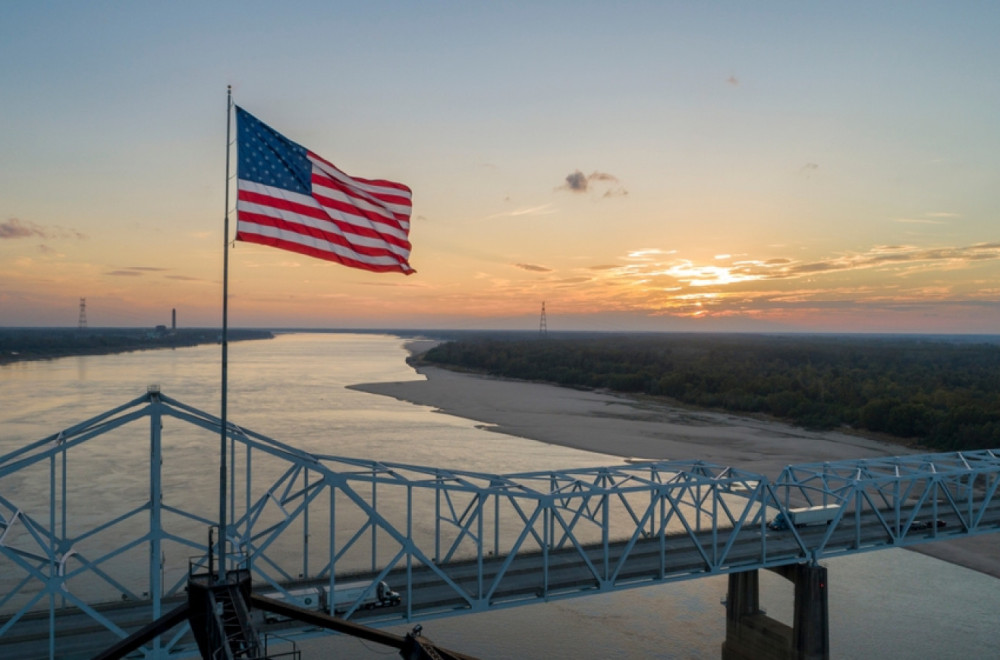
[
  {"x": 544, "y": 209},
  {"x": 14, "y": 228},
  {"x": 934, "y": 218},
  {"x": 861, "y": 290},
  {"x": 890, "y": 256},
  {"x": 920, "y": 221},
  {"x": 136, "y": 271},
  {"x": 661, "y": 282},
  {"x": 533, "y": 268},
  {"x": 809, "y": 169},
  {"x": 653, "y": 263}
]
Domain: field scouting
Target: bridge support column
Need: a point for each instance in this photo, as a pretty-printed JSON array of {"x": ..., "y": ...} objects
[
  {"x": 812, "y": 614},
  {"x": 752, "y": 635}
]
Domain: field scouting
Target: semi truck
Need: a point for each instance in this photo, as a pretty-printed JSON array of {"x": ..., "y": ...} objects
[
  {"x": 809, "y": 515},
  {"x": 345, "y": 596}
]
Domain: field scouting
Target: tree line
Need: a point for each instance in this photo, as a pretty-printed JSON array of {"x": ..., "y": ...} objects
[
  {"x": 938, "y": 392},
  {"x": 18, "y": 344}
]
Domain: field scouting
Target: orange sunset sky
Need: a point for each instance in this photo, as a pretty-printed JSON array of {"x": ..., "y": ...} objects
[{"x": 636, "y": 166}]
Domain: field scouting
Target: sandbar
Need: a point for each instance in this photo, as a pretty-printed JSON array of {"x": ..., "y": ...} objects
[{"x": 638, "y": 428}]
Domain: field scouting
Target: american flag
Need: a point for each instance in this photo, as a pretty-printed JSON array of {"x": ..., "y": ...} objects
[{"x": 290, "y": 198}]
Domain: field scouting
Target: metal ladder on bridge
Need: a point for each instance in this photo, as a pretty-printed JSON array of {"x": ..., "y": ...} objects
[{"x": 237, "y": 636}]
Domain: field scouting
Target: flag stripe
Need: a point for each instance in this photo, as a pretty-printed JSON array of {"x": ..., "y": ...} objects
[
  {"x": 253, "y": 221},
  {"x": 312, "y": 212},
  {"x": 291, "y": 198},
  {"x": 268, "y": 227},
  {"x": 324, "y": 186},
  {"x": 295, "y": 242},
  {"x": 389, "y": 192}
]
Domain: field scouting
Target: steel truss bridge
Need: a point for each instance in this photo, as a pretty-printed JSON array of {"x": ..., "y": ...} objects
[{"x": 102, "y": 523}]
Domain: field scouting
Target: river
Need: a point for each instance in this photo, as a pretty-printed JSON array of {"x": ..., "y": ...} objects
[{"x": 886, "y": 604}]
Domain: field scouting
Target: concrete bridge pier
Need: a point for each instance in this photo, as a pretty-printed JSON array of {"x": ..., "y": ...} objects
[{"x": 752, "y": 635}]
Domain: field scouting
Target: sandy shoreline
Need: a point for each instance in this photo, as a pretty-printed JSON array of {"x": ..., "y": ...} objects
[{"x": 633, "y": 428}]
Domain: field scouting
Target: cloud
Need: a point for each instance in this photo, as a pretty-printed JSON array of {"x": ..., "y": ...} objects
[
  {"x": 570, "y": 281},
  {"x": 544, "y": 209},
  {"x": 854, "y": 287},
  {"x": 652, "y": 264},
  {"x": 533, "y": 268},
  {"x": 919, "y": 221},
  {"x": 578, "y": 182},
  {"x": 936, "y": 218},
  {"x": 893, "y": 255},
  {"x": 16, "y": 228},
  {"x": 648, "y": 254},
  {"x": 136, "y": 271}
]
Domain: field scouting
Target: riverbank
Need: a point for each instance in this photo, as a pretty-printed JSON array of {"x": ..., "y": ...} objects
[
  {"x": 25, "y": 344},
  {"x": 633, "y": 428}
]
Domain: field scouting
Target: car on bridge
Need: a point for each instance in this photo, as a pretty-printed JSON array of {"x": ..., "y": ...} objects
[{"x": 928, "y": 524}]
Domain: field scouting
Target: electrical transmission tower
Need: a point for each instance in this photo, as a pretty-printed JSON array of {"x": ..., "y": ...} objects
[
  {"x": 82, "y": 323},
  {"x": 543, "y": 326}
]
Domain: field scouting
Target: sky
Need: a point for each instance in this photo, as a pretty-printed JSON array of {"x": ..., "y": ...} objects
[{"x": 653, "y": 166}]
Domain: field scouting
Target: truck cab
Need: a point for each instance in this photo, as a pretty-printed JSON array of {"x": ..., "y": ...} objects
[{"x": 809, "y": 515}]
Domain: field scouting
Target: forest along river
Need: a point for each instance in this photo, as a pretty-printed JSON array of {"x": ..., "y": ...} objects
[{"x": 889, "y": 604}]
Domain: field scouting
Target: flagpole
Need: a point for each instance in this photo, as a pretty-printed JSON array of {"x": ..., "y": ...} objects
[{"x": 225, "y": 348}]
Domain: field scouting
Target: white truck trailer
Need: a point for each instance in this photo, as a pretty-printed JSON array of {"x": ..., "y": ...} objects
[
  {"x": 345, "y": 596},
  {"x": 809, "y": 515}
]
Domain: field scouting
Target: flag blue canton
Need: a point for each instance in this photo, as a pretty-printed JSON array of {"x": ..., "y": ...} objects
[{"x": 269, "y": 158}]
